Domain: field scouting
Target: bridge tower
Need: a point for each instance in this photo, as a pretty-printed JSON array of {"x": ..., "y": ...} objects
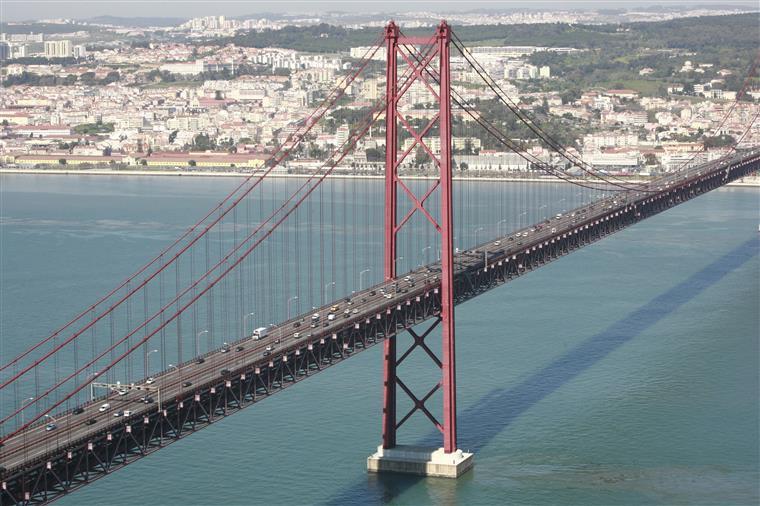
[{"x": 447, "y": 461}]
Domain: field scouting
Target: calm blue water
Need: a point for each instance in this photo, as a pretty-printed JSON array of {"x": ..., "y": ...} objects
[{"x": 626, "y": 373}]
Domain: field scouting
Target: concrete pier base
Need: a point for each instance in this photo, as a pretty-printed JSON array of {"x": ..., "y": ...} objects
[{"x": 421, "y": 461}]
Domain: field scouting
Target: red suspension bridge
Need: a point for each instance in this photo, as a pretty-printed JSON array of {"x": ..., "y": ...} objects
[{"x": 87, "y": 399}]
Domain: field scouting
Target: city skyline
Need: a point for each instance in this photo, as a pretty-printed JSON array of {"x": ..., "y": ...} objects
[{"x": 21, "y": 11}]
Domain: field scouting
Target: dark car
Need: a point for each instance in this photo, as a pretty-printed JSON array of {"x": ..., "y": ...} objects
[
  {"x": 78, "y": 410},
  {"x": 147, "y": 400},
  {"x": 225, "y": 372},
  {"x": 91, "y": 421},
  {"x": 187, "y": 384},
  {"x": 200, "y": 360},
  {"x": 372, "y": 292},
  {"x": 239, "y": 348},
  {"x": 296, "y": 325},
  {"x": 267, "y": 353}
]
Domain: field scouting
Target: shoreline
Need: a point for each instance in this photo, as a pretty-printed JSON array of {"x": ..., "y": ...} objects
[{"x": 175, "y": 173}]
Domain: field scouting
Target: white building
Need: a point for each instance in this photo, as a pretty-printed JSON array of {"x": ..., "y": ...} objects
[
  {"x": 58, "y": 49},
  {"x": 677, "y": 161},
  {"x": 623, "y": 160},
  {"x": 496, "y": 161},
  {"x": 598, "y": 141}
]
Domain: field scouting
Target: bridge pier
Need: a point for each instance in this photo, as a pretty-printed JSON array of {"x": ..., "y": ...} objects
[{"x": 420, "y": 461}]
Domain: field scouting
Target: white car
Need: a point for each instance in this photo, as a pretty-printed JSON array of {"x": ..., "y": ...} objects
[
  {"x": 150, "y": 381},
  {"x": 123, "y": 391},
  {"x": 127, "y": 412},
  {"x": 104, "y": 407}
]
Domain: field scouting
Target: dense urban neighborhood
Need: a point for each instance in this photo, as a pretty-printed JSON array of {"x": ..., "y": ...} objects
[{"x": 221, "y": 94}]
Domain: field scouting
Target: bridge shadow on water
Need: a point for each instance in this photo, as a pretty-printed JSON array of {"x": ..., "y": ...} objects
[{"x": 504, "y": 405}]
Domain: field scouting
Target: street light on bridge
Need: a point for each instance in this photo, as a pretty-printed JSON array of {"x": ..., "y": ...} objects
[
  {"x": 197, "y": 341},
  {"x": 479, "y": 229},
  {"x": 147, "y": 359},
  {"x": 395, "y": 263},
  {"x": 362, "y": 273},
  {"x": 331, "y": 283},
  {"x": 295, "y": 297},
  {"x": 424, "y": 255},
  {"x": 245, "y": 323},
  {"x": 498, "y": 229}
]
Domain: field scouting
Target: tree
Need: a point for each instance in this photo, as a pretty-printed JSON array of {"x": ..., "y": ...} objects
[
  {"x": 374, "y": 155},
  {"x": 420, "y": 157},
  {"x": 463, "y": 166},
  {"x": 218, "y": 95},
  {"x": 62, "y": 161},
  {"x": 202, "y": 142},
  {"x": 111, "y": 77},
  {"x": 173, "y": 136},
  {"x": 192, "y": 163},
  {"x": 719, "y": 141},
  {"x": 107, "y": 151}
]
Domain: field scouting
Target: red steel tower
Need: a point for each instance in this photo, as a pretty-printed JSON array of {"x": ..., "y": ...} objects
[{"x": 446, "y": 461}]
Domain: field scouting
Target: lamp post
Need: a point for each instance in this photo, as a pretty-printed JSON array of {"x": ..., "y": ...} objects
[
  {"x": 197, "y": 341},
  {"x": 395, "y": 264},
  {"x": 147, "y": 359},
  {"x": 295, "y": 297},
  {"x": 245, "y": 322},
  {"x": 362, "y": 273},
  {"x": 178, "y": 370},
  {"x": 24, "y": 405},
  {"x": 476, "y": 235},
  {"x": 424, "y": 255},
  {"x": 542, "y": 207},
  {"x": 328, "y": 285},
  {"x": 498, "y": 229}
]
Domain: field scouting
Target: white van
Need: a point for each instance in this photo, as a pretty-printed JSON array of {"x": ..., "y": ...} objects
[{"x": 260, "y": 332}]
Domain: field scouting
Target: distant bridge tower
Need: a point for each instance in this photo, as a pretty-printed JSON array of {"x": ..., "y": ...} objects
[{"x": 447, "y": 461}]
